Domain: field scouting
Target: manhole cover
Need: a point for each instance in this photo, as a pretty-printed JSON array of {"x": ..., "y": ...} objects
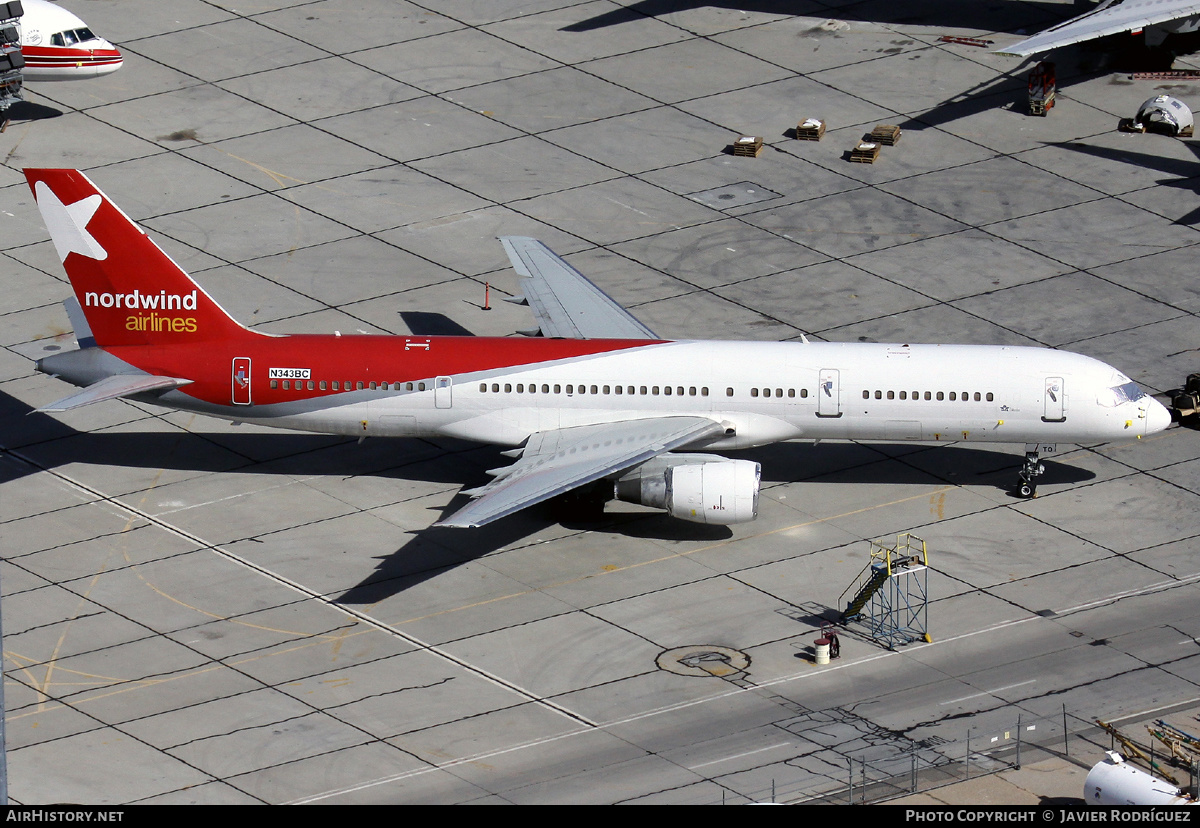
[
  {"x": 734, "y": 195},
  {"x": 703, "y": 660}
]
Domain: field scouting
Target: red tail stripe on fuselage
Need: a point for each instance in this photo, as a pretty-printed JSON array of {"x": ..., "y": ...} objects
[{"x": 354, "y": 359}]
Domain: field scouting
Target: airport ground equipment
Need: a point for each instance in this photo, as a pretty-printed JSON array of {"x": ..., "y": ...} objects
[
  {"x": 891, "y": 594},
  {"x": 1164, "y": 115},
  {"x": 1116, "y": 782},
  {"x": 1134, "y": 751},
  {"x": 1187, "y": 401},
  {"x": 1043, "y": 86},
  {"x": 11, "y": 59}
]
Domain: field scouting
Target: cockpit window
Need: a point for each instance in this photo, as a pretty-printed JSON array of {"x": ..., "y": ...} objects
[
  {"x": 71, "y": 37},
  {"x": 1129, "y": 392}
]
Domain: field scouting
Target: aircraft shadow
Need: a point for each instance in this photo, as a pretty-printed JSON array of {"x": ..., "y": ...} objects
[
  {"x": 48, "y": 443},
  {"x": 29, "y": 111},
  {"x": 1076, "y": 64},
  {"x": 1187, "y": 172}
]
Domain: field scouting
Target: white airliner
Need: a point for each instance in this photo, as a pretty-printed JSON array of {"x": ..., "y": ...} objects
[
  {"x": 1155, "y": 18},
  {"x": 58, "y": 46},
  {"x": 598, "y": 401}
]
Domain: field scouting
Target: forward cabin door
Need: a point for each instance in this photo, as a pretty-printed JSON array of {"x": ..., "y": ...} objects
[
  {"x": 1055, "y": 401},
  {"x": 443, "y": 390},
  {"x": 241, "y": 381},
  {"x": 829, "y": 394}
]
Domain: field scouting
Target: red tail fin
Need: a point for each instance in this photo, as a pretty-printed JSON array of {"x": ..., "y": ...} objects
[{"x": 130, "y": 291}]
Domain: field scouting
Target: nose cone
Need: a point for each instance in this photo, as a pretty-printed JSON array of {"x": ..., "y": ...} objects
[{"x": 1157, "y": 417}]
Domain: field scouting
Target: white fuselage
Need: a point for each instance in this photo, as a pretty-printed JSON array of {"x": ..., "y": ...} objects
[{"x": 764, "y": 392}]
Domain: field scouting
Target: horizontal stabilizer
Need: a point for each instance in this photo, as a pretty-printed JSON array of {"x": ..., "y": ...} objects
[{"x": 110, "y": 388}]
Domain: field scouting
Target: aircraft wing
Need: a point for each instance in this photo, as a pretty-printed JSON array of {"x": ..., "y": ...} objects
[
  {"x": 555, "y": 462},
  {"x": 1109, "y": 18},
  {"x": 109, "y": 388},
  {"x": 565, "y": 303}
]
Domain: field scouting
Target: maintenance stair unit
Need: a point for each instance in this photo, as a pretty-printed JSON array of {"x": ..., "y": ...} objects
[{"x": 891, "y": 594}]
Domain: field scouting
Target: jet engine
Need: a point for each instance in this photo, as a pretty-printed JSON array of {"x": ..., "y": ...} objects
[{"x": 702, "y": 488}]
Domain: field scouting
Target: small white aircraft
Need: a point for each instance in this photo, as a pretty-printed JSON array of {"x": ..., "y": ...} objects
[
  {"x": 1155, "y": 18},
  {"x": 58, "y": 46},
  {"x": 598, "y": 401}
]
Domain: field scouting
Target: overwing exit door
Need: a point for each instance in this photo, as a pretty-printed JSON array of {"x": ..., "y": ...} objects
[{"x": 829, "y": 393}]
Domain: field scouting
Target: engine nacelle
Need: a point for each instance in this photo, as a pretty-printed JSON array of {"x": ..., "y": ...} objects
[{"x": 702, "y": 488}]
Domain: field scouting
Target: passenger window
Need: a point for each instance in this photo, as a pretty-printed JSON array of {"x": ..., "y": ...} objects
[
  {"x": 728, "y": 392},
  {"x": 952, "y": 396},
  {"x": 941, "y": 396},
  {"x": 753, "y": 392},
  {"x": 803, "y": 392},
  {"x": 667, "y": 390},
  {"x": 866, "y": 395},
  {"x": 879, "y": 395},
  {"x": 420, "y": 386},
  {"x": 976, "y": 396},
  {"x": 928, "y": 396},
  {"x": 287, "y": 384},
  {"x": 654, "y": 391},
  {"x": 323, "y": 383},
  {"x": 274, "y": 383},
  {"x": 570, "y": 389},
  {"x": 989, "y": 396},
  {"x": 891, "y": 395}
]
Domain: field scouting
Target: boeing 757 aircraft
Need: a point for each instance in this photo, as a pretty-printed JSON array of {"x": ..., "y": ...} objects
[{"x": 598, "y": 400}]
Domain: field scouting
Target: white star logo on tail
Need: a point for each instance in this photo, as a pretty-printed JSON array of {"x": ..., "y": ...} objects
[{"x": 68, "y": 223}]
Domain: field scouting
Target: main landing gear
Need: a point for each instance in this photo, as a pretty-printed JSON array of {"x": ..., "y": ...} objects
[{"x": 1033, "y": 469}]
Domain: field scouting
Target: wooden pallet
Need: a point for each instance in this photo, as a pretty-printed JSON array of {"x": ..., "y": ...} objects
[
  {"x": 885, "y": 134},
  {"x": 865, "y": 153},
  {"x": 810, "y": 129},
  {"x": 748, "y": 146}
]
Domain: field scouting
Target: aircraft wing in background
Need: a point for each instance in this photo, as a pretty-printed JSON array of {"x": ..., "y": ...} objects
[
  {"x": 555, "y": 462},
  {"x": 1112, "y": 17},
  {"x": 564, "y": 301}
]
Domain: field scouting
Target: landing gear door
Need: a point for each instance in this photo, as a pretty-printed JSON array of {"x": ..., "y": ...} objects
[
  {"x": 443, "y": 390},
  {"x": 829, "y": 394},
  {"x": 1055, "y": 401},
  {"x": 241, "y": 381}
]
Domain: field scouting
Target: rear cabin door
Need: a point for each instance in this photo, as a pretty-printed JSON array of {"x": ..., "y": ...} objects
[
  {"x": 443, "y": 390},
  {"x": 241, "y": 381}
]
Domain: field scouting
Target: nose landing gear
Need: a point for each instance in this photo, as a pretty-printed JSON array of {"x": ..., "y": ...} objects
[{"x": 1033, "y": 469}]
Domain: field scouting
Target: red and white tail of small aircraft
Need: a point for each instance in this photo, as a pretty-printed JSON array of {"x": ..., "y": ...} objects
[
  {"x": 597, "y": 401},
  {"x": 58, "y": 46}
]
